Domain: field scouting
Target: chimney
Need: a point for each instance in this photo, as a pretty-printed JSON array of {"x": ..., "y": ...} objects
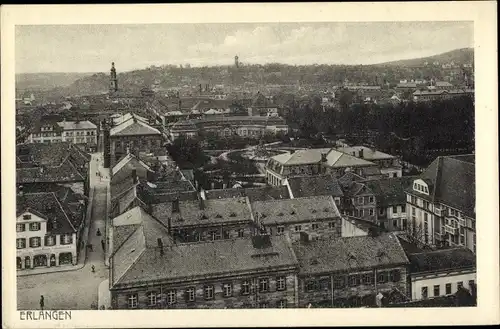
[
  {"x": 361, "y": 153},
  {"x": 160, "y": 245},
  {"x": 134, "y": 175},
  {"x": 175, "y": 206},
  {"x": 169, "y": 225},
  {"x": 323, "y": 157}
]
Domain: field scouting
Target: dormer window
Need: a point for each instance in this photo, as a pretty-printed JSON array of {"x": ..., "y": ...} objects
[{"x": 421, "y": 187}]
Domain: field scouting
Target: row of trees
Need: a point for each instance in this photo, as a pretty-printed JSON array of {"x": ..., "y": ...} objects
[{"x": 409, "y": 129}]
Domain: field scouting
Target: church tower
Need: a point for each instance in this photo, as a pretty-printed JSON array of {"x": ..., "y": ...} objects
[
  {"x": 113, "y": 81},
  {"x": 236, "y": 61}
]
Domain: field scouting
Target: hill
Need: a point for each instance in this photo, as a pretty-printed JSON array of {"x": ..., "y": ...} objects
[
  {"x": 459, "y": 56},
  {"x": 46, "y": 81}
]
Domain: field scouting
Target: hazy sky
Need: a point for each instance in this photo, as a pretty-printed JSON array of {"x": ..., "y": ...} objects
[{"x": 91, "y": 48}]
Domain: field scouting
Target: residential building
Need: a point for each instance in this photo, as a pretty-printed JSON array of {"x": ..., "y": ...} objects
[
  {"x": 441, "y": 272},
  {"x": 441, "y": 203},
  {"x": 359, "y": 199},
  {"x": 391, "y": 201},
  {"x": 312, "y": 162},
  {"x": 440, "y": 94},
  {"x": 79, "y": 132},
  {"x": 45, "y": 132},
  {"x": 316, "y": 215},
  {"x": 253, "y": 193},
  {"x": 205, "y": 220},
  {"x": 46, "y": 231},
  {"x": 263, "y": 106},
  {"x": 306, "y": 186},
  {"x": 351, "y": 272},
  {"x": 389, "y": 164},
  {"x": 148, "y": 270}
]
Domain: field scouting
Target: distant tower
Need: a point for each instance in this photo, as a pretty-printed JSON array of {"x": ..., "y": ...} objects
[
  {"x": 113, "y": 81},
  {"x": 236, "y": 63}
]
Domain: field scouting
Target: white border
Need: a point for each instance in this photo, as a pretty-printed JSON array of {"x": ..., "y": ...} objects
[{"x": 483, "y": 15}]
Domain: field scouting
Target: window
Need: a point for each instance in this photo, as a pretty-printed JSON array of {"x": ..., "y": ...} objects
[
  {"x": 360, "y": 200},
  {"x": 241, "y": 233},
  {"x": 437, "y": 290},
  {"x": 263, "y": 285},
  {"x": 361, "y": 212},
  {"x": 371, "y": 212},
  {"x": 20, "y": 228},
  {"x": 413, "y": 211},
  {"x": 171, "y": 297},
  {"x": 331, "y": 225},
  {"x": 50, "y": 240},
  {"x": 245, "y": 287},
  {"x": 35, "y": 226},
  {"x": 367, "y": 278},
  {"x": 315, "y": 226},
  {"x": 21, "y": 243},
  {"x": 298, "y": 228},
  {"x": 190, "y": 294},
  {"x": 280, "y": 229},
  {"x": 152, "y": 298},
  {"x": 227, "y": 289},
  {"x": 67, "y": 239},
  {"x": 282, "y": 303},
  {"x": 312, "y": 285},
  {"x": 395, "y": 275},
  {"x": 225, "y": 235},
  {"x": 395, "y": 223},
  {"x": 281, "y": 283},
  {"x": 381, "y": 277},
  {"x": 217, "y": 235},
  {"x": 448, "y": 288},
  {"x": 424, "y": 293},
  {"x": 132, "y": 301},
  {"x": 263, "y": 305},
  {"x": 403, "y": 208},
  {"x": 460, "y": 284},
  {"x": 339, "y": 282},
  {"x": 381, "y": 211},
  {"x": 35, "y": 242},
  {"x": 370, "y": 199},
  {"x": 353, "y": 280},
  {"x": 208, "y": 292}
]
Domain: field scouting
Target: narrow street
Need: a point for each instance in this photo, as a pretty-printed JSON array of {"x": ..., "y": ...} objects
[{"x": 74, "y": 289}]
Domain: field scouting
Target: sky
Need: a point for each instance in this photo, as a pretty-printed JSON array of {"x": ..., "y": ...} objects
[{"x": 91, "y": 48}]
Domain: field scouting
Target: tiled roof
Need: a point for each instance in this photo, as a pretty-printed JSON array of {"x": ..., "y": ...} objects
[
  {"x": 122, "y": 187},
  {"x": 118, "y": 119},
  {"x": 315, "y": 185},
  {"x": 74, "y": 125},
  {"x": 221, "y": 257},
  {"x": 453, "y": 182},
  {"x": 308, "y": 156},
  {"x": 206, "y": 104},
  {"x": 294, "y": 210},
  {"x": 349, "y": 254},
  {"x": 368, "y": 153},
  {"x": 65, "y": 172},
  {"x": 204, "y": 212},
  {"x": 350, "y": 177},
  {"x": 48, "y": 154},
  {"x": 442, "y": 260},
  {"x": 169, "y": 190},
  {"x": 391, "y": 191},
  {"x": 47, "y": 206},
  {"x": 123, "y": 169},
  {"x": 253, "y": 193},
  {"x": 133, "y": 127},
  {"x": 338, "y": 159}
]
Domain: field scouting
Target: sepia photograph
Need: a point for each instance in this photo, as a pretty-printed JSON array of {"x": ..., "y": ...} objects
[{"x": 245, "y": 165}]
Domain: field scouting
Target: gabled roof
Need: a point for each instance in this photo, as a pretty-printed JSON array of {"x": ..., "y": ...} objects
[
  {"x": 305, "y": 186},
  {"x": 338, "y": 159},
  {"x": 452, "y": 182},
  {"x": 367, "y": 153},
  {"x": 349, "y": 254},
  {"x": 131, "y": 160},
  {"x": 65, "y": 172},
  {"x": 203, "y": 212},
  {"x": 308, "y": 156},
  {"x": 253, "y": 193},
  {"x": 442, "y": 260},
  {"x": 76, "y": 125},
  {"x": 206, "y": 259},
  {"x": 294, "y": 210},
  {"x": 391, "y": 191},
  {"x": 133, "y": 127},
  {"x": 47, "y": 206}
]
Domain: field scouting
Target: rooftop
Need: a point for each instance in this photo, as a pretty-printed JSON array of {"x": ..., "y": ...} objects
[
  {"x": 442, "y": 260},
  {"x": 254, "y": 193},
  {"x": 305, "y": 186},
  {"x": 133, "y": 126},
  {"x": 349, "y": 254},
  {"x": 334, "y": 158},
  {"x": 365, "y": 153},
  {"x": 295, "y": 210},
  {"x": 76, "y": 125},
  {"x": 391, "y": 191}
]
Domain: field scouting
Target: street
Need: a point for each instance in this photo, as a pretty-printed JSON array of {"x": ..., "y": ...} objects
[{"x": 75, "y": 289}]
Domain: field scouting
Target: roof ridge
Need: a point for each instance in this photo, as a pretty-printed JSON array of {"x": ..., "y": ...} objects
[{"x": 64, "y": 212}]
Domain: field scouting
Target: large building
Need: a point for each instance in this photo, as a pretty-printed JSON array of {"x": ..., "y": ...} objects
[
  {"x": 132, "y": 135},
  {"x": 46, "y": 231},
  {"x": 389, "y": 165},
  {"x": 441, "y": 203},
  {"x": 76, "y": 132},
  {"x": 312, "y": 162}
]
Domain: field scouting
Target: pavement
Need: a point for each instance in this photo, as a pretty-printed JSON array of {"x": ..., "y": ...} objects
[{"x": 75, "y": 289}]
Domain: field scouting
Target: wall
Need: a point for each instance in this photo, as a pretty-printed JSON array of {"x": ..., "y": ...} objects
[
  {"x": 119, "y": 298},
  {"x": 324, "y": 228},
  {"x": 441, "y": 279},
  {"x": 350, "y": 230}
]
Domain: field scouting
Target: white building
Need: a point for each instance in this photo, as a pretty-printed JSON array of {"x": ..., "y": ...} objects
[
  {"x": 45, "y": 234},
  {"x": 441, "y": 272},
  {"x": 78, "y": 132}
]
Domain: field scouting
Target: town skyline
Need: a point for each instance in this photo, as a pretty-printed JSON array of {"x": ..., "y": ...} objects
[{"x": 84, "y": 48}]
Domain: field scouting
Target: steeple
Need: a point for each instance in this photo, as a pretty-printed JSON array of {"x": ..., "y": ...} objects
[{"x": 113, "y": 81}]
